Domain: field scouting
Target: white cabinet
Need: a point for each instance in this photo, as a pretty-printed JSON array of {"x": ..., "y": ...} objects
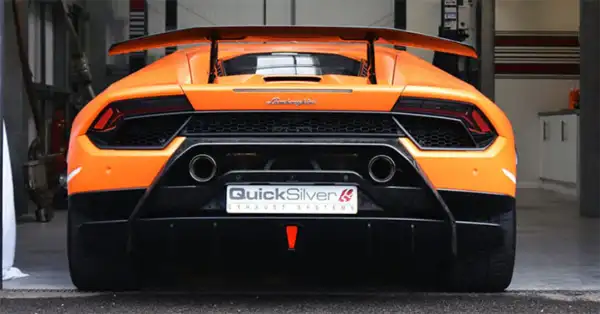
[{"x": 559, "y": 149}]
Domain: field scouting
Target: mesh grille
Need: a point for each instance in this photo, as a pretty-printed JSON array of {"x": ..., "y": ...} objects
[
  {"x": 293, "y": 124},
  {"x": 436, "y": 133}
]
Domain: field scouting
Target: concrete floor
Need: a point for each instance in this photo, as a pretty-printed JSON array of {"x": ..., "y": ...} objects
[
  {"x": 414, "y": 303},
  {"x": 557, "y": 249}
]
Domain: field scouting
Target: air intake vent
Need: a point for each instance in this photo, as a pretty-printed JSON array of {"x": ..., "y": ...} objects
[
  {"x": 139, "y": 133},
  {"x": 442, "y": 124},
  {"x": 292, "y": 124},
  {"x": 292, "y": 78},
  {"x": 438, "y": 133},
  {"x": 140, "y": 123}
]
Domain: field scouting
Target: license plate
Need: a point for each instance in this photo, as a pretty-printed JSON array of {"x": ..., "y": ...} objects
[{"x": 291, "y": 199}]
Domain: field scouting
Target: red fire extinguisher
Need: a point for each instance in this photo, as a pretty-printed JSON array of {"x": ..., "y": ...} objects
[{"x": 574, "y": 98}]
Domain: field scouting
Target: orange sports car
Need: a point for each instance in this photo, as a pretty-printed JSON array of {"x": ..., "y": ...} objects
[{"x": 296, "y": 141}]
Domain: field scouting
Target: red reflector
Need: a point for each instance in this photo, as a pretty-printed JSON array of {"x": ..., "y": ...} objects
[
  {"x": 103, "y": 121},
  {"x": 292, "y": 233}
]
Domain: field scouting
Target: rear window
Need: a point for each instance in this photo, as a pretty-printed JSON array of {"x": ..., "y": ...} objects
[{"x": 291, "y": 63}]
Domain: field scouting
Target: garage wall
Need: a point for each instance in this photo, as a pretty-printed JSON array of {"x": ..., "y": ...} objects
[
  {"x": 108, "y": 23},
  {"x": 522, "y": 92},
  {"x": 345, "y": 12},
  {"x": 423, "y": 16},
  {"x": 250, "y": 12},
  {"x": 15, "y": 107},
  {"x": 537, "y": 15},
  {"x": 219, "y": 12},
  {"x": 521, "y": 95}
]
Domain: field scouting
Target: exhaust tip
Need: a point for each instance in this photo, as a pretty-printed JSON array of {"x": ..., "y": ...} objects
[
  {"x": 203, "y": 168},
  {"x": 382, "y": 168}
]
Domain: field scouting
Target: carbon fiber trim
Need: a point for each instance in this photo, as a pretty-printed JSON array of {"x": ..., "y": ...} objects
[{"x": 191, "y": 143}]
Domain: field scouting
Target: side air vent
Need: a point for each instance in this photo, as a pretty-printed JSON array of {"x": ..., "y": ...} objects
[
  {"x": 443, "y": 124},
  {"x": 140, "y": 123},
  {"x": 431, "y": 132}
]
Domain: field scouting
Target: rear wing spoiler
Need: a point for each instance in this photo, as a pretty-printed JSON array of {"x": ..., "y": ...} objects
[{"x": 371, "y": 35}]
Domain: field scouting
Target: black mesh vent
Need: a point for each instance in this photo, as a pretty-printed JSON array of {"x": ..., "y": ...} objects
[
  {"x": 431, "y": 132},
  {"x": 293, "y": 123},
  {"x": 140, "y": 132}
]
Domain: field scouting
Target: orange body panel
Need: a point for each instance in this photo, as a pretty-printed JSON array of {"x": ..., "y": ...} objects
[
  {"x": 101, "y": 170},
  {"x": 490, "y": 171},
  {"x": 398, "y": 73}
]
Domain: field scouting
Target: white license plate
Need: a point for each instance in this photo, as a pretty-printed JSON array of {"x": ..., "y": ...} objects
[{"x": 291, "y": 199}]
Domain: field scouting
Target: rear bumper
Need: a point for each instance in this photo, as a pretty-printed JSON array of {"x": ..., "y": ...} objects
[{"x": 394, "y": 219}]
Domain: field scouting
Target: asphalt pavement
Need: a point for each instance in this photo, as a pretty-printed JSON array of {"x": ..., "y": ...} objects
[{"x": 525, "y": 302}]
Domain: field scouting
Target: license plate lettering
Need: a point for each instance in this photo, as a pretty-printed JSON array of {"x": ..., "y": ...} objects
[{"x": 278, "y": 199}]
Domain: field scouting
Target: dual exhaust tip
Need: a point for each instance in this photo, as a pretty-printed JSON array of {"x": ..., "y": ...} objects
[
  {"x": 382, "y": 168},
  {"x": 203, "y": 168}
]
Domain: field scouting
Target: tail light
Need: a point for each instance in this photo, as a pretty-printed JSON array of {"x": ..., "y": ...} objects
[
  {"x": 120, "y": 110},
  {"x": 149, "y": 119},
  {"x": 476, "y": 124}
]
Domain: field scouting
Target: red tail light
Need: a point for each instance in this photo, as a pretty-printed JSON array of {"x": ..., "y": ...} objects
[
  {"x": 117, "y": 111},
  {"x": 475, "y": 122},
  {"x": 147, "y": 122}
]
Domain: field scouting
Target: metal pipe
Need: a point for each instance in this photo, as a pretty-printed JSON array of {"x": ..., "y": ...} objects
[
  {"x": 2, "y": 127},
  {"x": 589, "y": 147},
  {"x": 43, "y": 43},
  {"x": 265, "y": 12},
  {"x": 487, "y": 45},
  {"x": 293, "y": 12},
  {"x": 170, "y": 20},
  {"x": 45, "y": 136}
]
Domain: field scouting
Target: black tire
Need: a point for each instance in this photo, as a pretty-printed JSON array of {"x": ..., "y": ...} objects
[
  {"x": 44, "y": 215},
  {"x": 491, "y": 270},
  {"x": 97, "y": 272},
  {"x": 59, "y": 199}
]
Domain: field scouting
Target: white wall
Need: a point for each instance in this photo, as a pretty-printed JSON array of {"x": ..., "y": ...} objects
[
  {"x": 423, "y": 16},
  {"x": 192, "y": 13},
  {"x": 279, "y": 12},
  {"x": 523, "y": 97},
  {"x": 536, "y": 15},
  {"x": 521, "y": 100},
  {"x": 345, "y": 12}
]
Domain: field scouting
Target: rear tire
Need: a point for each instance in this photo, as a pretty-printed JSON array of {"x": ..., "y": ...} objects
[
  {"x": 490, "y": 270},
  {"x": 96, "y": 272}
]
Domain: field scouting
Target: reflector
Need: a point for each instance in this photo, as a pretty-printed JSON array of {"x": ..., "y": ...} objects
[{"x": 292, "y": 233}]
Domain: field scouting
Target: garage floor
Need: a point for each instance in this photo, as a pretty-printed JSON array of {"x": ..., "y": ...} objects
[{"x": 557, "y": 249}]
